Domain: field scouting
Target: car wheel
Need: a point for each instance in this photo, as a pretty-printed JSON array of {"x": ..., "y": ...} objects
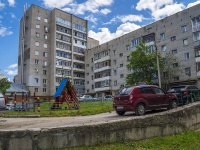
[
  {"x": 120, "y": 113},
  {"x": 140, "y": 109},
  {"x": 173, "y": 104}
]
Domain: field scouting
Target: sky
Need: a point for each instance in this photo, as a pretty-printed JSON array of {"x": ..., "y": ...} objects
[{"x": 107, "y": 20}]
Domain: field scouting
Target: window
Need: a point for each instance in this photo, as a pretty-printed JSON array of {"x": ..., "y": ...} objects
[
  {"x": 36, "y": 70},
  {"x": 115, "y": 82},
  {"x": 197, "y": 53},
  {"x": 36, "y": 53},
  {"x": 37, "y": 43},
  {"x": 45, "y": 20},
  {"x": 176, "y": 78},
  {"x": 45, "y": 36},
  {"x": 88, "y": 82},
  {"x": 45, "y": 45},
  {"x": 121, "y": 54},
  {"x": 38, "y": 17},
  {"x": 184, "y": 28},
  {"x": 185, "y": 42},
  {"x": 163, "y": 48},
  {"x": 44, "y": 72},
  {"x": 174, "y": 51},
  {"x": 158, "y": 91},
  {"x": 115, "y": 72},
  {"x": 36, "y": 80},
  {"x": 92, "y": 86},
  {"x": 115, "y": 62},
  {"x": 128, "y": 47},
  {"x": 188, "y": 71},
  {"x": 44, "y": 90},
  {"x": 198, "y": 66},
  {"x": 92, "y": 60},
  {"x": 44, "y": 63},
  {"x": 36, "y": 89},
  {"x": 114, "y": 52},
  {"x": 128, "y": 57},
  {"x": 45, "y": 54},
  {"x": 175, "y": 65},
  {"x": 121, "y": 75},
  {"x": 92, "y": 77},
  {"x": 44, "y": 80},
  {"x": 146, "y": 90},
  {"x": 45, "y": 29},
  {"x": 196, "y": 36},
  {"x": 186, "y": 56},
  {"x": 36, "y": 61},
  {"x": 37, "y": 34},
  {"x": 173, "y": 38},
  {"x": 91, "y": 68},
  {"x": 37, "y": 26},
  {"x": 136, "y": 42},
  {"x": 121, "y": 65},
  {"x": 162, "y": 36}
]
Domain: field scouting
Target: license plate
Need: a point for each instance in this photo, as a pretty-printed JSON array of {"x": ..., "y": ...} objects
[{"x": 120, "y": 107}]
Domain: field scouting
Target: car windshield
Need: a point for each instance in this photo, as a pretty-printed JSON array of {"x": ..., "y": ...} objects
[
  {"x": 177, "y": 89},
  {"x": 126, "y": 91}
]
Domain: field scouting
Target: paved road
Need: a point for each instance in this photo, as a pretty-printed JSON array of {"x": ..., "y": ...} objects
[{"x": 52, "y": 122}]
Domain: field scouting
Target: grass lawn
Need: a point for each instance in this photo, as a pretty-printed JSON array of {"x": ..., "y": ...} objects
[
  {"x": 189, "y": 140},
  {"x": 86, "y": 108}
]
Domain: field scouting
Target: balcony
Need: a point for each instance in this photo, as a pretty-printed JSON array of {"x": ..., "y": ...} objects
[
  {"x": 102, "y": 59},
  {"x": 196, "y": 28},
  {"x": 196, "y": 43},
  {"x": 78, "y": 61},
  {"x": 102, "y": 89},
  {"x": 102, "y": 69},
  {"x": 79, "y": 69},
  {"x": 102, "y": 79},
  {"x": 197, "y": 59},
  {"x": 150, "y": 43}
]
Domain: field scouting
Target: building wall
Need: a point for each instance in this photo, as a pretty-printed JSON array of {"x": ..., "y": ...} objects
[
  {"x": 47, "y": 50},
  {"x": 171, "y": 26}
]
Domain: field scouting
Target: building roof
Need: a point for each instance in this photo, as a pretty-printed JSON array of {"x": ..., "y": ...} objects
[{"x": 17, "y": 88}]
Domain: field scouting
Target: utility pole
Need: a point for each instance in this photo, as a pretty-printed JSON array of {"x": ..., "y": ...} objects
[{"x": 158, "y": 66}]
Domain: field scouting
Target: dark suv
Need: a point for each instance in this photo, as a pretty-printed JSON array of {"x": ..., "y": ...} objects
[
  {"x": 185, "y": 93},
  {"x": 142, "y": 98}
]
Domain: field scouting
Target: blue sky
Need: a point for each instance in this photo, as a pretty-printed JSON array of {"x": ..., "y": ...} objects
[{"x": 108, "y": 19}]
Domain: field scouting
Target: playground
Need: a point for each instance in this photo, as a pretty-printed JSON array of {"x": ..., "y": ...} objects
[{"x": 65, "y": 103}]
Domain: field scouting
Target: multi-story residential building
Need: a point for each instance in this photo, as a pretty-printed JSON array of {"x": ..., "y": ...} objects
[
  {"x": 52, "y": 46},
  {"x": 178, "y": 34}
]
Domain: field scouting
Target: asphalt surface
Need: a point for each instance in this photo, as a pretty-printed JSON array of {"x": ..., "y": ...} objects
[{"x": 8, "y": 124}]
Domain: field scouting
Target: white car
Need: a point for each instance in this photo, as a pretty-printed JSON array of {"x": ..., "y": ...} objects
[
  {"x": 87, "y": 98},
  {"x": 108, "y": 97}
]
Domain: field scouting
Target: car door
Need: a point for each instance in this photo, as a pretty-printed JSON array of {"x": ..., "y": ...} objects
[
  {"x": 150, "y": 97},
  {"x": 162, "y": 98}
]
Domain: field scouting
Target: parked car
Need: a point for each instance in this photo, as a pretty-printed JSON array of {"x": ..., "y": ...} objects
[
  {"x": 143, "y": 98},
  {"x": 2, "y": 101},
  {"x": 10, "y": 106},
  {"x": 88, "y": 98},
  {"x": 108, "y": 97},
  {"x": 185, "y": 93}
]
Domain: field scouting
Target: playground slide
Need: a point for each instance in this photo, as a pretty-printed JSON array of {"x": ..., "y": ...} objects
[{"x": 65, "y": 93}]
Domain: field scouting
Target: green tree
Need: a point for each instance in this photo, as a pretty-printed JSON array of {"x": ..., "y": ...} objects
[
  {"x": 4, "y": 84},
  {"x": 142, "y": 62},
  {"x": 172, "y": 68}
]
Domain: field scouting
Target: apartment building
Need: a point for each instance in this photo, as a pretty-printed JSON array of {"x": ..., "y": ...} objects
[
  {"x": 52, "y": 46},
  {"x": 178, "y": 34}
]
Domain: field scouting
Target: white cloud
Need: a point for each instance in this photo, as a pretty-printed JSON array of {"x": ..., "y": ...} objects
[
  {"x": 192, "y": 4},
  {"x": 2, "y": 5},
  {"x": 11, "y": 2},
  {"x": 55, "y": 3},
  {"x": 91, "y": 18},
  {"x": 160, "y": 8},
  {"x": 105, "y": 11},
  {"x": 13, "y": 66},
  {"x": 105, "y": 35},
  {"x": 4, "y": 31},
  {"x": 11, "y": 72},
  {"x": 13, "y": 16},
  {"x": 126, "y": 18}
]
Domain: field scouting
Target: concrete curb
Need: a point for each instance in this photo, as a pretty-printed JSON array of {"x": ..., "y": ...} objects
[{"x": 21, "y": 116}]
